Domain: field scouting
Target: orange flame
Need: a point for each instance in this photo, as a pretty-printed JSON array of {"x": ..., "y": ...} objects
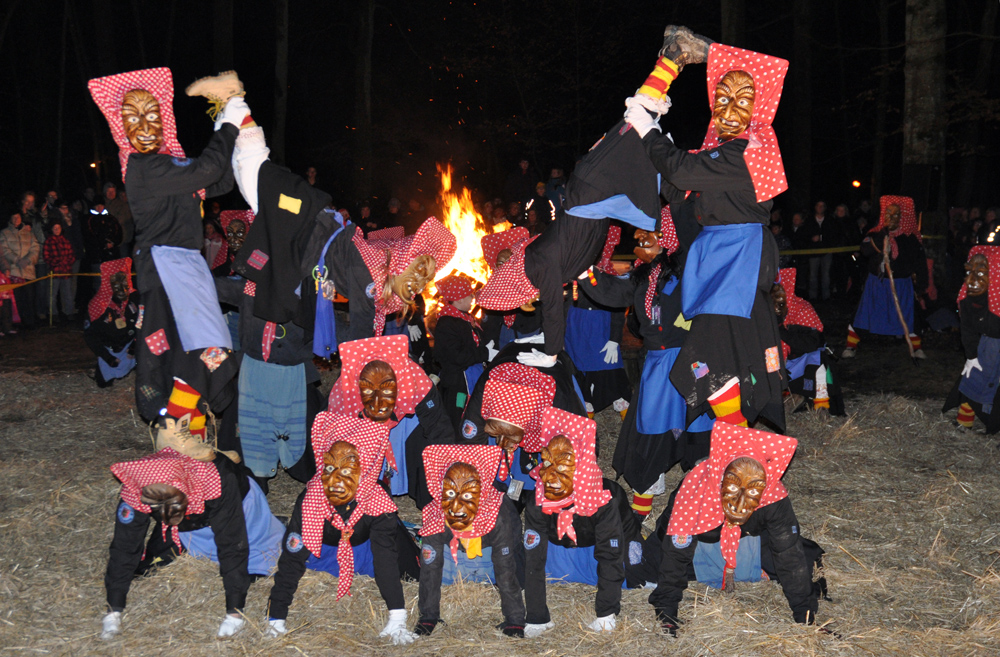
[{"x": 460, "y": 217}]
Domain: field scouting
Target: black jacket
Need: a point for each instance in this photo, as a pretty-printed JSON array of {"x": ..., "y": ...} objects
[
  {"x": 223, "y": 514},
  {"x": 103, "y": 333},
  {"x": 380, "y": 530}
]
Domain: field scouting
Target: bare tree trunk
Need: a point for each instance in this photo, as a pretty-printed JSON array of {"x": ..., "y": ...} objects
[
  {"x": 799, "y": 72},
  {"x": 734, "y": 22},
  {"x": 363, "y": 99},
  {"x": 280, "y": 82},
  {"x": 881, "y": 99},
  {"x": 970, "y": 135},
  {"x": 222, "y": 35},
  {"x": 62, "y": 94},
  {"x": 923, "y": 103}
]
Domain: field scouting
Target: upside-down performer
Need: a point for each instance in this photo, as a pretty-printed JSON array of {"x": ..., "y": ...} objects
[
  {"x": 894, "y": 248},
  {"x": 379, "y": 381},
  {"x": 731, "y": 359},
  {"x": 183, "y": 334},
  {"x": 343, "y": 507},
  {"x": 615, "y": 180},
  {"x": 470, "y": 514},
  {"x": 656, "y": 434},
  {"x": 975, "y": 393},
  {"x": 213, "y": 510},
  {"x": 809, "y": 367},
  {"x": 111, "y": 331},
  {"x": 736, "y": 492}
]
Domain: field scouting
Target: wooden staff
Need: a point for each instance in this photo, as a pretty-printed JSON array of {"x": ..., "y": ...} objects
[{"x": 895, "y": 298}]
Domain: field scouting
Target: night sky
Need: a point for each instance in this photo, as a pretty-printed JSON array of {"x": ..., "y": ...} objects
[{"x": 478, "y": 84}]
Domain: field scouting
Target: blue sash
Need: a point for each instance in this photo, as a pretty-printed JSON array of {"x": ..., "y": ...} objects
[
  {"x": 721, "y": 271},
  {"x": 264, "y": 533}
]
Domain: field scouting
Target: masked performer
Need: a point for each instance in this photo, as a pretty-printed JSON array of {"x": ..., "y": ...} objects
[
  {"x": 656, "y": 433},
  {"x": 731, "y": 359},
  {"x": 810, "y": 371},
  {"x": 278, "y": 393},
  {"x": 574, "y": 507},
  {"x": 502, "y": 328},
  {"x": 468, "y": 512},
  {"x": 593, "y": 341},
  {"x": 894, "y": 249},
  {"x": 736, "y": 492},
  {"x": 975, "y": 393},
  {"x": 343, "y": 506},
  {"x": 614, "y": 180},
  {"x": 183, "y": 332},
  {"x": 301, "y": 254},
  {"x": 114, "y": 313},
  {"x": 380, "y": 382},
  {"x": 213, "y": 510},
  {"x": 459, "y": 345}
]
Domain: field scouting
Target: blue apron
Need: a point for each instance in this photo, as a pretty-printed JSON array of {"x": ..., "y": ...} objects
[
  {"x": 797, "y": 366},
  {"x": 981, "y": 385},
  {"x": 721, "y": 271},
  {"x": 399, "y": 483},
  {"x": 877, "y": 310},
  {"x": 125, "y": 364},
  {"x": 364, "y": 563},
  {"x": 264, "y": 533},
  {"x": 194, "y": 302},
  {"x": 587, "y": 331},
  {"x": 661, "y": 408},
  {"x": 472, "y": 374},
  {"x": 479, "y": 569},
  {"x": 709, "y": 564},
  {"x": 515, "y": 468}
]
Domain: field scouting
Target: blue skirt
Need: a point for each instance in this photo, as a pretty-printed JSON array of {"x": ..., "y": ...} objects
[
  {"x": 877, "y": 311},
  {"x": 264, "y": 533},
  {"x": 587, "y": 331},
  {"x": 721, "y": 271},
  {"x": 272, "y": 415}
]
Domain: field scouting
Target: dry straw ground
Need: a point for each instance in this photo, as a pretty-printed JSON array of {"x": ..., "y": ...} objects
[{"x": 904, "y": 505}]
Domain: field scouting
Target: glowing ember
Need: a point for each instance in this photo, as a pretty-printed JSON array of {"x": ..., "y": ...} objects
[{"x": 460, "y": 217}]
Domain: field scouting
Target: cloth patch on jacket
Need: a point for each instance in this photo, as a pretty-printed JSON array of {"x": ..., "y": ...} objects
[
  {"x": 157, "y": 342},
  {"x": 699, "y": 369},
  {"x": 682, "y": 323},
  {"x": 293, "y": 205},
  {"x": 138, "y": 322},
  {"x": 468, "y": 429},
  {"x": 258, "y": 259},
  {"x": 181, "y": 161},
  {"x": 126, "y": 514},
  {"x": 771, "y": 357},
  {"x": 680, "y": 542},
  {"x": 213, "y": 357},
  {"x": 294, "y": 542},
  {"x": 428, "y": 554},
  {"x": 531, "y": 539},
  {"x": 634, "y": 552}
]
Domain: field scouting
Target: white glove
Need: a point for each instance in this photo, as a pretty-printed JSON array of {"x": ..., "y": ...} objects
[
  {"x": 536, "y": 359},
  {"x": 971, "y": 364},
  {"x": 610, "y": 352},
  {"x": 531, "y": 630},
  {"x": 603, "y": 624},
  {"x": 491, "y": 351},
  {"x": 230, "y": 624},
  {"x": 112, "y": 625},
  {"x": 275, "y": 628},
  {"x": 415, "y": 332},
  {"x": 396, "y": 628},
  {"x": 640, "y": 118},
  {"x": 235, "y": 111}
]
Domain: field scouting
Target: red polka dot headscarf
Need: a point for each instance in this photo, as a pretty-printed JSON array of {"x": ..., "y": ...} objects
[
  {"x": 800, "y": 311},
  {"x": 227, "y": 217},
  {"x": 432, "y": 238},
  {"x": 589, "y": 494},
  {"x": 669, "y": 243},
  {"x": 494, "y": 243},
  {"x": 486, "y": 460},
  {"x": 108, "y": 93},
  {"x": 371, "y": 439},
  {"x": 103, "y": 298},
  {"x": 455, "y": 287},
  {"x": 604, "y": 263},
  {"x": 698, "y": 505},
  {"x": 198, "y": 480},
  {"x": 992, "y": 254},
  {"x": 412, "y": 383},
  {"x": 762, "y": 155},
  {"x": 907, "y": 220},
  {"x": 508, "y": 288},
  {"x": 518, "y": 394}
]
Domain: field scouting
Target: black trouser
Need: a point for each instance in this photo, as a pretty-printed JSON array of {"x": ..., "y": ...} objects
[{"x": 505, "y": 540}]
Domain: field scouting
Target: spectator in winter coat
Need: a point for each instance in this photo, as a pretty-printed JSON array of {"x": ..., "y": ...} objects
[
  {"x": 19, "y": 251},
  {"x": 60, "y": 257}
]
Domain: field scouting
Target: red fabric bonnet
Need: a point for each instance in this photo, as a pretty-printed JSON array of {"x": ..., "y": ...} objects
[
  {"x": 698, "y": 505},
  {"x": 519, "y": 395},
  {"x": 589, "y": 494},
  {"x": 494, "y": 243},
  {"x": 508, "y": 288},
  {"x": 412, "y": 383},
  {"x": 762, "y": 155},
  {"x": 102, "y": 299},
  {"x": 992, "y": 254},
  {"x": 486, "y": 460},
  {"x": 800, "y": 311}
]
